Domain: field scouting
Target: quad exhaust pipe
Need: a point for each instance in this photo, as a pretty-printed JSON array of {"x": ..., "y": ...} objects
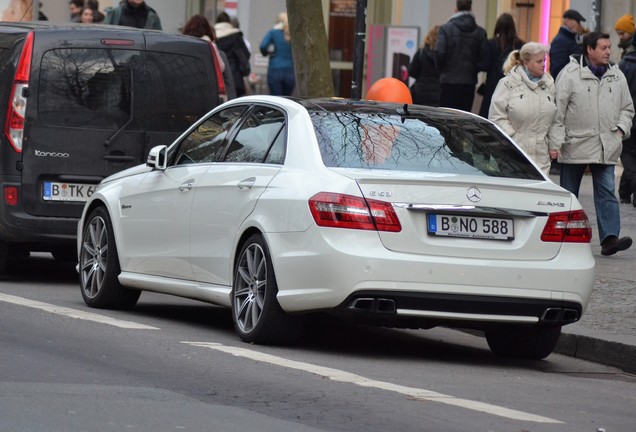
[
  {"x": 374, "y": 305},
  {"x": 377, "y": 305},
  {"x": 560, "y": 316}
]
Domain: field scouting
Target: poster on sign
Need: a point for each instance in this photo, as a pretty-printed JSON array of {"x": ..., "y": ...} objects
[
  {"x": 16, "y": 10},
  {"x": 400, "y": 46},
  {"x": 231, "y": 8}
]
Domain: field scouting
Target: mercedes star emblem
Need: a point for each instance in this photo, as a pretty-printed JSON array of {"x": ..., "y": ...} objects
[{"x": 473, "y": 194}]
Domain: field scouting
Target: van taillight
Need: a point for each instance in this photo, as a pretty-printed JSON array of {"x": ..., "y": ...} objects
[
  {"x": 14, "y": 122},
  {"x": 219, "y": 74},
  {"x": 14, "y": 128},
  {"x": 11, "y": 195}
]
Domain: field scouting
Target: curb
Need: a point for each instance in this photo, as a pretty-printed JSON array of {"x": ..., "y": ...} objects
[{"x": 603, "y": 350}]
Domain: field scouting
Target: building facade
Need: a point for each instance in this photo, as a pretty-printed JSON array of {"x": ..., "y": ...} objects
[{"x": 537, "y": 20}]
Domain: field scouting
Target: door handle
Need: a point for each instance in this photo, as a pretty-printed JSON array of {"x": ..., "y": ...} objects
[
  {"x": 185, "y": 187},
  {"x": 246, "y": 183}
]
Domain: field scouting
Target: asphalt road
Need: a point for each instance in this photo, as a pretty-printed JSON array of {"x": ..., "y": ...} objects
[{"x": 174, "y": 364}]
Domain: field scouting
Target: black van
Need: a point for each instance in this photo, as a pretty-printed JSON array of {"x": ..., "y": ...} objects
[{"x": 79, "y": 103}]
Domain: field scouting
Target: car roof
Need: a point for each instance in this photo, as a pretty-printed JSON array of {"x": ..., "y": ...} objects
[{"x": 366, "y": 106}]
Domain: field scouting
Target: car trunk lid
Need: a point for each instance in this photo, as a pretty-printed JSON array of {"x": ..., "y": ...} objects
[{"x": 468, "y": 217}]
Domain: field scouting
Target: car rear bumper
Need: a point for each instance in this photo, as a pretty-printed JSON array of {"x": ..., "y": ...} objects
[
  {"x": 17, "y": 226},
  {"x": 318, "y": 270}
]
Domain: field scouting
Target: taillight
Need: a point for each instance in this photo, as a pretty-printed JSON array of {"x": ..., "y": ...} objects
[
  {"x": 11, "y": 195},
  {"x": 567, "y": 227},
  {"x": 14, "y": 125},
  {"x": 219, "y": 73},
  {"x": 346, "y": 211}
]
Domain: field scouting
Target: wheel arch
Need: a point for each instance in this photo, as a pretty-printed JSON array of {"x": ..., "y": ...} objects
[
  {"x": 239, "y": 245},
  {"x": 94, "y": 204}
]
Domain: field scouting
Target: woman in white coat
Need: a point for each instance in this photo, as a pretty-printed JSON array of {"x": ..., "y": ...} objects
[{"x": 523, "y": 104}]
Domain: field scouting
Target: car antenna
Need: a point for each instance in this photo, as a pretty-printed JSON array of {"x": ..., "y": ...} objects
[{"x": 405, "y": 113}]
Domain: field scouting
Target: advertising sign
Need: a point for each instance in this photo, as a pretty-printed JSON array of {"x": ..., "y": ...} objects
[
  {"x": 16, "y": 10},
  {"x": 401, "y": 45}
]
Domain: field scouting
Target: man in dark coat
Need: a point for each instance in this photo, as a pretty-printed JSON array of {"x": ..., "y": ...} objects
[
  {"x": 567, "y": 42},
  {"x": 134, "y": 13},
  {"x": 457, "y": 52},
  {"x": 627, "y": 185}
]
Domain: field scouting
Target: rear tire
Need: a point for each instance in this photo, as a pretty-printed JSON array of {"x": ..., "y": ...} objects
[
  {"x": 65, "y": 254},
  {"x": 99, "y": 266},
  {"x": 523, "y": 341},
  {"x": 4, "y": 256},
  {"x": 256, "y": 313}
]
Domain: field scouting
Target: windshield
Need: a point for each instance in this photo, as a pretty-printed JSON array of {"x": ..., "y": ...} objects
[{"x": 416, "y": 142}]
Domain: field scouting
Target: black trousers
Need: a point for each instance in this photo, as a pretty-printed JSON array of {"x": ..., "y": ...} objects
[
  {"x": 458, "y": 96},
  {"x": 627, "y": 185}
]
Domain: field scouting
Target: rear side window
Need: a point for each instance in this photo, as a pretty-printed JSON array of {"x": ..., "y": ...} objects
[
  {"x": 261, "y": 134},
  {"x": 180, "y": 91},
  {"x": 88, "y": 88},
  {"x": 206, "y": 142},
  {"x": 396, "y": 142}
]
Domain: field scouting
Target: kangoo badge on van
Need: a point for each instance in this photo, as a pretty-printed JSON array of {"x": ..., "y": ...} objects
[{"x": 79, "y": 103}]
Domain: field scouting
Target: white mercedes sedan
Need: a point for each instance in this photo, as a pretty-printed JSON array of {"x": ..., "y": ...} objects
[{"x": 388, "y": 214}]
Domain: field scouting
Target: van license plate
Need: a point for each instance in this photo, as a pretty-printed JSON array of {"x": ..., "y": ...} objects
[
  {"x": 472, "y": 227},
  {"x": 55, "y": 191}
]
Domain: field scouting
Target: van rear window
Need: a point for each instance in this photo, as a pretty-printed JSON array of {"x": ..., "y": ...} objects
[
  {"x": 108, "y": 88},
  {"x": 90, "y": 88},
  {"x": 180, "y": 91}
]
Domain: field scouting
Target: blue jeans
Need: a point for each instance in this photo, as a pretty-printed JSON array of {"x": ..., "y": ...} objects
[
  {"x": 608, "y": 215},
  {"x": 281, "y": 82}
]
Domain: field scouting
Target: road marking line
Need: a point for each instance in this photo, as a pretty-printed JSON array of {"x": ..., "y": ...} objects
[
  {"x": 346, "y": 377},
  {"x": 72, "y": 313}
]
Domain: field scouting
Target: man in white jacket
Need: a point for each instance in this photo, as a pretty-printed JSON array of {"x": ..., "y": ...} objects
[{"x": 594, "y": 113}]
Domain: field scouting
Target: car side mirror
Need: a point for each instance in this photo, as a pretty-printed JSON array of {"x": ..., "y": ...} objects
[{"x": 158, "y": 157}]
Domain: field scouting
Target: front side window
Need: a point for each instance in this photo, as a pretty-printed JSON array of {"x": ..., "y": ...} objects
[
  {"x": 262, "y": 133},
  {"x": 390, "y": 141},
  {"x": 88, "y": 88},
  {"x": 206, "y": 142}
]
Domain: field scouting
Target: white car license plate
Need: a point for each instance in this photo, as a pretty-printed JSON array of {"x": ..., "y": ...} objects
[
  {"x": 55, "y": 191},
  {"x": 472, "y": 227}
]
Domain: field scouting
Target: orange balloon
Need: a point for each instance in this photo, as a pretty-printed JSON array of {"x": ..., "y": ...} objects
[{"x": 390, "y": 90}]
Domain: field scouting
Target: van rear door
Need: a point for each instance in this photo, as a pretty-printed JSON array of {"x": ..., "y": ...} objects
[{"x": 84, "y": 118}]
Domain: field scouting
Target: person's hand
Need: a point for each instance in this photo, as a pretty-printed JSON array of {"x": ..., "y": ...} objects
[{"x": 554, "y": 154}]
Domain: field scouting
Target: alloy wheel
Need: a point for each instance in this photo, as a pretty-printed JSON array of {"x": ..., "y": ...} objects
[
  {"x": 93, "y": 256},
  {"x": 250, "y": 288}
]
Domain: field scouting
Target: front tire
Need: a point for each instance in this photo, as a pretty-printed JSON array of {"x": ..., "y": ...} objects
[
  {"x": 256, "y": 314},
  {"x": 99, "y": 265},
  {"x": 528, "y": 342}
]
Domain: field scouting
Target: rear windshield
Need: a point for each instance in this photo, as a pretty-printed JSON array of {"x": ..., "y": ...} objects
[{"x": 380, "y": 140}]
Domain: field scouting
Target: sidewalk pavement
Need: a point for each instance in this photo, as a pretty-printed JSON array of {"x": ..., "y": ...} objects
[{"x": 607, "y": 331}]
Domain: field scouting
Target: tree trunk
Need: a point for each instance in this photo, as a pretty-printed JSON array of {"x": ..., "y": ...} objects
[{"x": 310, "y": 49}]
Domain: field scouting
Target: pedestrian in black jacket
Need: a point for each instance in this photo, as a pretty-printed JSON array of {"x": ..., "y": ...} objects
[
  {"x": 426, "y": 89},
  {"x": 456, "y": 54},
  {"x": 230, "y": 40},
  {"x": 627, "y": 184},
  {"x": 492, "y": 56}
]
